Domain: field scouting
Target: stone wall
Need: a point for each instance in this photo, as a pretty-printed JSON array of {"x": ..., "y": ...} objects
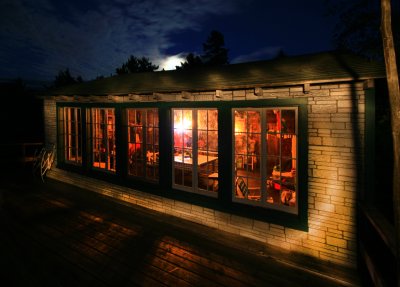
[
  {"x": 336, "y": 135},
  {"x": 50, "y": 120},
  {"x": 336, "y": 132}
]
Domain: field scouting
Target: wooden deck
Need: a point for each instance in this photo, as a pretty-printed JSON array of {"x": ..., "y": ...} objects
[{"x": 54, "y": 234}]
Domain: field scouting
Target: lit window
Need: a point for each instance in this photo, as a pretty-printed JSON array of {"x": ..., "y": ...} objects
[
  {"x": 265, "y": 157},
  {"x": 103, "y": 138},
  {"x": 195, "y": 155},
  {"x": 143, "y": 143},
  {"x": 70, "y": 134}
]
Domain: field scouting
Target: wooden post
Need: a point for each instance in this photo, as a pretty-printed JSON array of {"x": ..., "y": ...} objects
[{"x": 394, "y": 98}]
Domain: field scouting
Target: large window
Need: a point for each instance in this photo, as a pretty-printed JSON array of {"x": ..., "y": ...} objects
[
  {"x": 251, "y": 160},
  {"x": 265, "y": 157},
  {"x": 143, "y": 143},
  {"x": 70, "y": 134},
  {"x": 195, "y": 154},
  {"x": 103, "y": 138}
]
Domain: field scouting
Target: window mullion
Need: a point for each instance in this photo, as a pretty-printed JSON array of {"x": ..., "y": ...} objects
[
  {"x": 280, "y": 151},
  {"x": 194, "y": 150},
  {"x": 144, "y": 140},
  {"x": 76, "y": 139},
  {"x": 263, "y": 157},
  {"x": 70, "y": 131},
  {"x": 105, "y": 137},
  {"x": 65, "y": 129}
]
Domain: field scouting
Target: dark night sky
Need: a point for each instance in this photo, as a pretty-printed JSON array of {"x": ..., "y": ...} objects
[{"x": 40, "y": 37}]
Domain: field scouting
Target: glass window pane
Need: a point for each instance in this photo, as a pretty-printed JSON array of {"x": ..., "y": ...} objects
[
  {"x": 103, "y": 139},
  {"x": 273, "y": 121},
  {"x": 247, "y": 176},
  {"x": 273, "y": 142},
  {"x": 253, "y": 122},
  {"x": 143, "y": 151},
  {"x": 204, "y": 151},
  {"x": 212, "y": 141},
  {"x": 254, "y": 144},
  {"x": 71, "y": 134},
  {"x": 212, "y": 120},
  {"x": 240, "y": 143},
  {"x": 265, "y": 151},
  {"x": 187, "y": 139},
  {"x": 202, "y": 119},
  {"x": 289, "y": 121},
  {"x": 150, "y": 118},
  {"x": 183, "y": 160},
  {"x": 202, "y": 140}
]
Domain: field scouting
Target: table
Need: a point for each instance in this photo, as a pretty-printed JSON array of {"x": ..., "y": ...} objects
[{"x": 201, "y": 159}]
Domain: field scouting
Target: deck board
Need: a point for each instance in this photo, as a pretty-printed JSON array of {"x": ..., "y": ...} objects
[{"x": 59, "y": 235}]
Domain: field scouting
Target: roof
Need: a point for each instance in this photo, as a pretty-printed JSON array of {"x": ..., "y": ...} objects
[{"x": 311, "y": 68}]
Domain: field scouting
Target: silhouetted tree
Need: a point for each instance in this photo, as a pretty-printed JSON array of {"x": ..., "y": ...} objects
[
  {"x": 136, "y": 65},
  {"x": 28, "y": 119},
  {"x": 15, "y": 87},
  {"x": 192, "y": 61},
  {"x": 214, "y": 51},
  {"x": 280, "y": 54},
  {"x": 358, "y": 27},
  {"x": 65, "y": 78}
]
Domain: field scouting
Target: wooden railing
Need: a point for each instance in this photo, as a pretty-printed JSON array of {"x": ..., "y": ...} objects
[
  {"x": 19, "y": 153},
  {"x": 377, "y": 246},
  {"x": 28, "y": 151}
]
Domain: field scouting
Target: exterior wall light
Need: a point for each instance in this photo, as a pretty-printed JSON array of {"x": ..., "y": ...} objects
[{"x": 258, "y": 91}]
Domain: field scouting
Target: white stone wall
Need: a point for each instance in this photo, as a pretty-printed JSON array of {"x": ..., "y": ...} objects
[
  {"x": 50, "y": 120},
  {"x": 331, "y": 167}
]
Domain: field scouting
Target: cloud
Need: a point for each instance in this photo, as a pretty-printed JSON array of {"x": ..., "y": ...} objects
[
  {"x": 92, "y": 38},
  {"x": 261, "y": 54}
]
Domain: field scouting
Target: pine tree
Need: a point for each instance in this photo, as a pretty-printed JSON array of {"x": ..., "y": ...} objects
[
  {"x": 65, "y": 78},
  {"x": 192, "y": 61},
  {"x": 214, "y": 51},
  {"x": 136, "y": 65}
]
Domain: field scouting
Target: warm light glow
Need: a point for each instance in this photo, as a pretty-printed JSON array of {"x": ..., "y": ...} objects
[
  {"x": 239, "y": 126},
  {"x": 181, "y": 127}
]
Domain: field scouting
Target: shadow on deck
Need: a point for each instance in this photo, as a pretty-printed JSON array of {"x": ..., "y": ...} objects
[{"x": 55, "y": 234}]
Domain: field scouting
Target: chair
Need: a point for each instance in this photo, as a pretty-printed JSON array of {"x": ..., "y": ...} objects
[
  {"x": 43, "y": 159},
  {"x": 251, "y": 161},
  {"x": 214, "y": 178},
  {"x": 243, "y": 191},
  {"x": 241, "y": 186}
]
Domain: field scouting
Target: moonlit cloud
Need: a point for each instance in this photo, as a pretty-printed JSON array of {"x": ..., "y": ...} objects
[
  {"x": 92, "y": 38},
  {"x": 170, "y": 63}
]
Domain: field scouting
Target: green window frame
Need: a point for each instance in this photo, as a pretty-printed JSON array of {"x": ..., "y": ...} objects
[
  {"x": 265, "y": 157},
  {"x": 143, "y": 142},
  {"x": 195, "y": 150},
  {"x": 102, "y": 138},
  {"x": 70, "y": 134}
]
